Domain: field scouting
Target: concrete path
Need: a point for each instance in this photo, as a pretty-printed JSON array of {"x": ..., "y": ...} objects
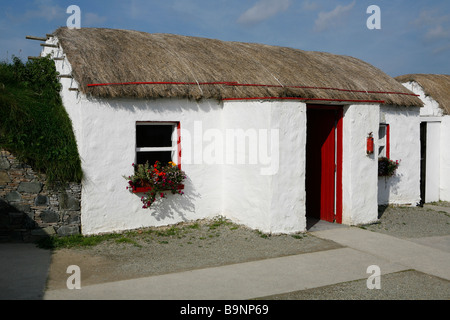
[
  {"x": 362, "y": 249},
  {"x": 23, "y": 271}
]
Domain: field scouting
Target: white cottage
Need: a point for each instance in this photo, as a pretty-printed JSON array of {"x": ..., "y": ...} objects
[
  {"x": 268, "y": 136},
  {"x": 434, "y": 91}
]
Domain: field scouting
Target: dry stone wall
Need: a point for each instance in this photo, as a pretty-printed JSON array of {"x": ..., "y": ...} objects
[{"x": 29, "y": 208}]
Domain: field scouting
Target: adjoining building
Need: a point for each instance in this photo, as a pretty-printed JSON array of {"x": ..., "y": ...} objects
[{"x": 434, "y": 91}]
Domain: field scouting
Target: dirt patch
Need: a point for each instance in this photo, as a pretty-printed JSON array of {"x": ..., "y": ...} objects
[{"x": 179, "y": 248}]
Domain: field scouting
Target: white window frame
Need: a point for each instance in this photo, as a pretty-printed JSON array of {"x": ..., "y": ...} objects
[
  {"x": 384, "y": 141},
  {"x": 175, "y": 138}
]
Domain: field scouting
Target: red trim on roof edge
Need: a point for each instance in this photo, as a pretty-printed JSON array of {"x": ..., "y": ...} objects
[
  {"x": 159, "y": 82},
  {"x": 233, "y": 83},
  {"x": 304, "y": 99}
]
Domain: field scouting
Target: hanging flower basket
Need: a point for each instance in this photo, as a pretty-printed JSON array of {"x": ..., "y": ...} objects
[
  {"x": 154, "y": 180},
  {"x": 387, "y": 167}
]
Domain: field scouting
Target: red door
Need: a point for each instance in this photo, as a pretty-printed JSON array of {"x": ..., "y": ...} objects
[{"x": 323, "y": 153}]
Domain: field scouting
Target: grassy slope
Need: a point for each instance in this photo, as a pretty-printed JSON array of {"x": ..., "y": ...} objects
[{"x": 34, "y": 125}]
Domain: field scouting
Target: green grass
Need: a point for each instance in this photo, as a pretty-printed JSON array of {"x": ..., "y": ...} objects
[
  {"x": 219, "y": 222},
  {"x": 262, "y": 234},
  {"x": 56, "y": 242},
  {"x": 194, "y": 226},
  {"x": 80, "y": 241},
  {"x": 158, "y": 235},
  {"x": 172, "y": 231},
  {"x": 298, "y": 236},
  {"x": 34, "y": 125}
]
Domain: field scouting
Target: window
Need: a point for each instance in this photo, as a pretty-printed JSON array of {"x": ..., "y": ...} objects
[
  {"x": 383, "y": 140},
  {"x": 157, "y": 141}
]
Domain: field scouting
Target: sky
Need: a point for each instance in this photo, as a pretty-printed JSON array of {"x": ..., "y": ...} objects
[{"x": 410, "y": 36}]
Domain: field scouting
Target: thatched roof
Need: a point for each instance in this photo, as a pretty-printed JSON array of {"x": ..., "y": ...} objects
[
  {"x": 437, "y": 86},
  {"x": 196, "y": 68}
]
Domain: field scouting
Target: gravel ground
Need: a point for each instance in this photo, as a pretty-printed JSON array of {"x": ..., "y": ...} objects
[
  {"x": 416, "y": 222},
  {"x": 218, "y": 242},
  {"x": 405, "y": 285}
]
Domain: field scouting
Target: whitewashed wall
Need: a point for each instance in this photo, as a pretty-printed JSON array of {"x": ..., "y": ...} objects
[
  {"x": 445, "y": 160},
  {"x": 404, "y": 187},
  {"x": 431, "y": 107},
  {"x": 359, "y": 172},
  {"x": 433, "y": 158},
  {"x": 269, "y": 196},
  {"x": 105, "y": 134},
  {"x": 107, "y": 151}
]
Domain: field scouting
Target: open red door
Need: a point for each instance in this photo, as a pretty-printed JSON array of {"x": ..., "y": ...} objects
[{"x": 324, "y": 163}]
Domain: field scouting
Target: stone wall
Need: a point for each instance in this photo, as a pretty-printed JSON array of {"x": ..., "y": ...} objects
[{"x": 29, "y": 208}]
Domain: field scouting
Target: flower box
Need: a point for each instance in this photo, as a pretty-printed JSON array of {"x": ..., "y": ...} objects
[
  {"x": 147, "y": 189},
  {"x": 154, "y": 181},
  {"x": 387, "y": 167}
]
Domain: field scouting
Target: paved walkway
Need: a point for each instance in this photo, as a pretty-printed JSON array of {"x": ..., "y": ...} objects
[
  {"x": 255, "y": 279},
  {"x": 23, "y": 271}
]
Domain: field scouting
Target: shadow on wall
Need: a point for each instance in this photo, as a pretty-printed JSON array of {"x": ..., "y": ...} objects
[
  {"x": 175, "y": 204},
  {"x": 386, "y": 187},
  {"x": 15, "y": 225},
  {"x": 177, "y": 106}
]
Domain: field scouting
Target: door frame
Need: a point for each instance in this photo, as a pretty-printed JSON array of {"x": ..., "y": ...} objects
[{"x": 338, "y": 155}]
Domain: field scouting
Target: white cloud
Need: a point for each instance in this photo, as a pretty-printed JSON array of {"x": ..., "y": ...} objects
[
  {"x": 435, "y": 28},
  {"x": 332, "y": 18},
  {"x": 309, "y": 5},
  {"x": 437, "y": 33},
  {"x": 441, "y": 49},
  {"x": 430, "y": 17},
  {"x": 263, "y": 10},
  {"x": 45, "y": 9},
  {"x": 91, "y": 19}
]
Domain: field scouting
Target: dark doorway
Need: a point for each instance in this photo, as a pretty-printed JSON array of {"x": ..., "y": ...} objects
[
  {"x": 324, "y": 163},
  {"x": 423, "y": 160}
]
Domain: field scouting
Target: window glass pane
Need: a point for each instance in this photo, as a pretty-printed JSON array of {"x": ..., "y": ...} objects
[
  {"x": 382, "y": 132},
  {"x": 154, "y": 136},
  {"x": 162, "y": 156},
  {"x": 382, "y": 140}
]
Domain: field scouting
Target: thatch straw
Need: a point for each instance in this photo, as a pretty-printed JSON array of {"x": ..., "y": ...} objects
[
  {"x": 118, "y": 56},
  {"x": 437, "y": 86}
]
